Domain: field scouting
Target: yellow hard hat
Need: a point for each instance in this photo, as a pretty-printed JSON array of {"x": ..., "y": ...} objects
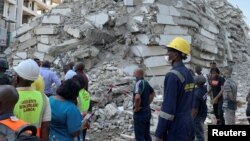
[{"x": 180, "y": 44}]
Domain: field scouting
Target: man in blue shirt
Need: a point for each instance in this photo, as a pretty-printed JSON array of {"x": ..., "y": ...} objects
[
  {"x": 175, "y": 118},
  {"x": 199, "y": 111},
  {"x": 49, "y": 78},
  {"x": 143, "y": 96}
]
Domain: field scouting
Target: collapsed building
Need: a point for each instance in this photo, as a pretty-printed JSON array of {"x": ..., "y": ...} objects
[{"x": 113, "y": 38}]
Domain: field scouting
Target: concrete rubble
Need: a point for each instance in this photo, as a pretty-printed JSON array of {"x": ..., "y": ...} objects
[{"x": 113, "y": 38}]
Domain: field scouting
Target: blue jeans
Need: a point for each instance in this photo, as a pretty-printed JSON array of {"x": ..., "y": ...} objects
[
  {"x": 199, "y": 131},
  {"x": 142, "y": 127}
]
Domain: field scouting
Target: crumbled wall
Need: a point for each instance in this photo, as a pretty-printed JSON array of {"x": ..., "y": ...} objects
[{"x": 113, "y": 38}]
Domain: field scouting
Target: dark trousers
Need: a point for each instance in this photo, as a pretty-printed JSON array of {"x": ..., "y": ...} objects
[
  {"x": 199, "y": 131},
  {"x": 84, "y": 131},
  {"x": 218, "y": 112},
  {"x": 142, "y": 127},
  {"x": 248, "y": 112}
]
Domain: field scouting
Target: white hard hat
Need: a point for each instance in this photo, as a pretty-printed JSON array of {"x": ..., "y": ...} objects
[{"x": 27, "y": 69}]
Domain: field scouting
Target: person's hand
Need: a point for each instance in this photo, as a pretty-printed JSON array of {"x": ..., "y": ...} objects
[
  {"x": 215, "y": 101},
  {"x": 158, "y": 139}
]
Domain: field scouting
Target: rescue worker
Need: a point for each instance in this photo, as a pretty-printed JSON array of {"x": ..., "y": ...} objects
[
  {"x": 4, "y": 78},
  {"x": 175, "y": 118},
  {"x": 199, "y": 111},
  {"x": 83, "y": 103},
  {"x": 80, "y": 70},
  {"x": 143, "y": 96},
  {"x": 33, "y": 106}
]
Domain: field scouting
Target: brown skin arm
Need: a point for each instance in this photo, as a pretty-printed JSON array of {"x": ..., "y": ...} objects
[
  {"x": 215, "y": 100},
  {"x": 44, "y": 131},
  {"x": 75, "y": 134},
  {"x": 151, "y": 97},
  {"x": 233, "y": 98},
  {"x": 137, "y": 103},
  {"x": 194, "y": 112}
]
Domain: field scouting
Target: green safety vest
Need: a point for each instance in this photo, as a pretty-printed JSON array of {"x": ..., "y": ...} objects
[
  {"x": 83, "y": 100},
  {"x": 30, "y": 106}
]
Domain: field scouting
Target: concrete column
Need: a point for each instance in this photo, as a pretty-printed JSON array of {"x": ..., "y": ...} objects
[{"x": 19, "y": 16}]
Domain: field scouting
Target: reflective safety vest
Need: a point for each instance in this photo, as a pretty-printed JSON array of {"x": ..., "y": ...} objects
[
  {"x": 14, "y": 125},
  {"x": 83, "y": 100},
  {"x": 38, "y": 84},
  {"x": 30, "y": 107}
]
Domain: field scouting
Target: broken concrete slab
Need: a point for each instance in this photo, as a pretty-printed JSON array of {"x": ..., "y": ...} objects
[
  {"x": 148, "y": 1},
  {"x": 110, "y": 110},
  {"x": 165, "y": 39},
  {"x": 163, "y": 9},
  {"x": 157, "y": 81},
  {"x": 129, "y": 70},
  {"x": 98, "y": 19},
  {"x": 39, "y": 55},
  {"x": 128, "y": 2},
  {"x": 158, "y": 71},
  {"x": 44, "y": 39},
  {"x": 63, "y": 11},
  {"x": 24, "y": 37},
  {"x": 29, "y": 43},
  {"x": 176, "y": 30},
  {"x": 43, "y": 48},
  {"x": 203, "y": 55},
  {"x": 165, "y": 19},
  {"x": 23, "y": 29},
  {"x": 208, "y": 34},
  {"x": 45, "y": 30},
  {"x": 156, "y": 61},
  {"x": 173, "y": 11},
  {"x": 143, "y": 38},
  {"x": 65, "y": 46},
  {"x": 143, "y": 51},
  {"x": 22, "y": 55},
  {"x": 72, "y": 31},
  {"x": 54, "y": 19}
]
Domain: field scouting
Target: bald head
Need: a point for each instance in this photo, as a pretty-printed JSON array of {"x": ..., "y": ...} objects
[
  {"x": 8, "y": 98},
  {"x": 139, "y": 73}
]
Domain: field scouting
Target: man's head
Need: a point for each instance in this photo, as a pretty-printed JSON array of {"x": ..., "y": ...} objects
[
  {"x": 198, "y": 70},
  {"x": 213, "y": 65},
  {"x": 79, "y": 66},
  {"x": 3, "y": 65},
  {"x": 27, "y": 71},
  {"x": 215, "y": 72},
  {"x": 139, "y": 73},
  {"x": 227, "y": 71},
  {"x": 46, "y": 64},
  {"x": 199, "y": 80},
  {"x": 37, "y": 61},
  {"x": 178, "y": 49},
  {"x": 71, "y": 65},
  {"x": 8, "y": 98}
]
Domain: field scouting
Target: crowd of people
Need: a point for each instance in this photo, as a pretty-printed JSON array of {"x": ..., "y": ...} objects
[
  {"x": 63, "y": 114},
  {"x": 28, "y": 98}
]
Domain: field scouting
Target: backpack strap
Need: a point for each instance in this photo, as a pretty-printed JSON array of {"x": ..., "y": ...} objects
[
  {"x": 26, "y": 128},
  {"x": 13, "y": 125},
  {"x": 178, "y": 74}
]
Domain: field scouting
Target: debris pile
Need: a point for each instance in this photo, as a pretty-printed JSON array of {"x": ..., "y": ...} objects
[{"x": 113, "y": 38}]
